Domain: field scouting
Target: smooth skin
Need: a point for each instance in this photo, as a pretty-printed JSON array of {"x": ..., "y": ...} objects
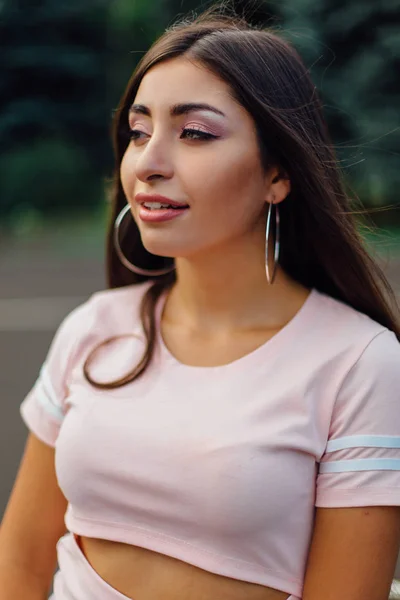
[
  {"x": 32, "y": 524},
  {"x": 220, "y": 309}
]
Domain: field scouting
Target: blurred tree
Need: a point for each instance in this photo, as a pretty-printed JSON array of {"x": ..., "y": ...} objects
[
  {"x": 353, "y": 49},
  {"x": 53, "y": 92},
  {"x": 66, "y": 64},
  {"x": 132, "y": 27}
]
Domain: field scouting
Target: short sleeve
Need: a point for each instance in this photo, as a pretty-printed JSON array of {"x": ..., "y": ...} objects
[
  {"x": 361, "y": 462},
  {"x": 42, "y": 410}
]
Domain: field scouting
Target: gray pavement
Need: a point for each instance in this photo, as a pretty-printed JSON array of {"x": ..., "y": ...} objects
[{"x": 39, "y": 284}]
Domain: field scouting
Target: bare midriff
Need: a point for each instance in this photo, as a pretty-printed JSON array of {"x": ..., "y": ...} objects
[{"x": 142, "y": 574}]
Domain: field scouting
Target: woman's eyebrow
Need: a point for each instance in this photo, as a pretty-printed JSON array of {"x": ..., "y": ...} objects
[{"x": 177, "y": 109}]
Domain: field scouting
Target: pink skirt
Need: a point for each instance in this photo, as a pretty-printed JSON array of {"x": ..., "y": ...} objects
[{"x": 77, "y": 580}]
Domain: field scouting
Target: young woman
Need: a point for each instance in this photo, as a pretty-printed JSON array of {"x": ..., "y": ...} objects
[{"x": 223, "y": 423}]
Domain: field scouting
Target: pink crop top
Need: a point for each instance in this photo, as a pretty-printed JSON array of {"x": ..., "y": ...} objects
[{"x": 221, "y": 467}]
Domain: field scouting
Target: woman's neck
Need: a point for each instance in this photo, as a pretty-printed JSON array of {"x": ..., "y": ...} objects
[{"x": 236, "y": 296}]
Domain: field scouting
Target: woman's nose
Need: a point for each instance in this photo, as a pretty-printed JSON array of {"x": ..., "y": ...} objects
[{"x": 154, "y": 160}]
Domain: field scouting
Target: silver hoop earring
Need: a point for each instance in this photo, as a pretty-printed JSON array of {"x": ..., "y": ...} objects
[
  {"x": 276, "y": 243},
  {"x": 122, "y": 257}
]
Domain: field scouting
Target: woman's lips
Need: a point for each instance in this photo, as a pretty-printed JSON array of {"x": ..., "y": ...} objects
[{"x": 158, "y": 215}]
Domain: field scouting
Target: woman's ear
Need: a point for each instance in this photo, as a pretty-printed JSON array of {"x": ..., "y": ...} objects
[{"x": 279, "y": 186}]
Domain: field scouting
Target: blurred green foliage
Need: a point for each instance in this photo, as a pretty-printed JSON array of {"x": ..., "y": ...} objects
[
  {"x": 56, "y": 107},
  {"x": 353, "y": 49},
  {"x": 66, "y": 64}
]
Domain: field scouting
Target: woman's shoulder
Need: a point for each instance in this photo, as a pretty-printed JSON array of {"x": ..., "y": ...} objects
[
  {"x": 120, "y": 305},
  {"x": 105, "y": 312},
  {"x": 128, "y": 294},
  {"x": 335, "y": 319}
]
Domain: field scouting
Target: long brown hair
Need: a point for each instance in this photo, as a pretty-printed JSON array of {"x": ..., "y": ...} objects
[{"x": 321, "y": 245}]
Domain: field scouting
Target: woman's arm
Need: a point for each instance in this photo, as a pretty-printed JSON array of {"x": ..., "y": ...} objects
[
  {"x": 16, "y": 582},
  {"x": 31, "y": 526},
  {"x": 353, "y": 553}
]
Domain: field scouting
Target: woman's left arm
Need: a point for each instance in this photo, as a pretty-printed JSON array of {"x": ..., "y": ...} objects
[
  {"x": 356, "y": 536},
  {"x": 353, "y": 553}
]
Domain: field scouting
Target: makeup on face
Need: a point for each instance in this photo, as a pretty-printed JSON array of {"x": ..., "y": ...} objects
[
  {"x": 194, "y": 130},
  {"x": 160, "y": 215},
  {"x": 206, "y": 122},
  {"x": 155, "y": 208}
]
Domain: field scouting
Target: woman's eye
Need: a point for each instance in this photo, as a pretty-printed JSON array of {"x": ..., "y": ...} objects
[
  {"x": 135, "y": 133},
  {"x": 194, "y": 134}
]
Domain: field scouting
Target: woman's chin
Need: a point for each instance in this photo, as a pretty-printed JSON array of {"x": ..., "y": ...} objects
[{"x": 161, "y": 250}]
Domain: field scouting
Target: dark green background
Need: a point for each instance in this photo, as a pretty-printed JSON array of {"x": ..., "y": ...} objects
[{"x": 65, "y": 64}]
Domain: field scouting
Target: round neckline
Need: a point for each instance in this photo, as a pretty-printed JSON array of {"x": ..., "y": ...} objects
[{"x": 261, "y": 352}]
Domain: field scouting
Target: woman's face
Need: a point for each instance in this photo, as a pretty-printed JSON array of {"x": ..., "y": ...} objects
[{"x": 216, "y": 172}]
